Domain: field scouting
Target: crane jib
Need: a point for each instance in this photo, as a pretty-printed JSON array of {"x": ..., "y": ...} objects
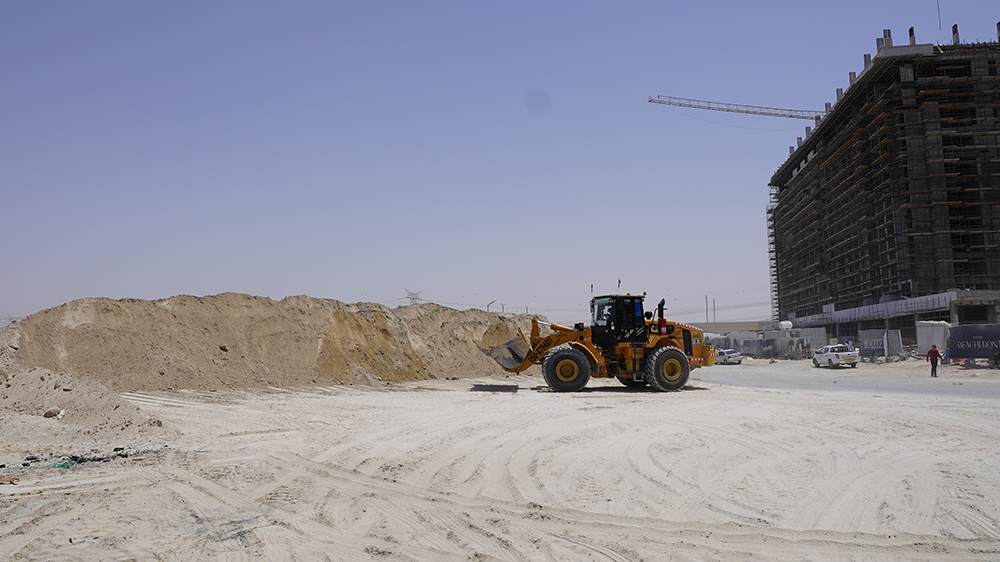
[{"x": 737, "y": 108}]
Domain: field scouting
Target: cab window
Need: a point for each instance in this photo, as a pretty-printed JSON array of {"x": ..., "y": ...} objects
[{"x": 601, "y": 310}]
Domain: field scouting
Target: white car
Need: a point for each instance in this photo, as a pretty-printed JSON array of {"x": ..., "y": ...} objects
[
  {"x": 730, "y": 356},
  {"x": 835, "y": 356}
]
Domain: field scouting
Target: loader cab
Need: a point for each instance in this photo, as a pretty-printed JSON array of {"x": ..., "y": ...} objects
[{"x": 617, "y": 319}]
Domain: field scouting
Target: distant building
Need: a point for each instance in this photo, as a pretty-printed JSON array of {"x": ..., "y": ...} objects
[{"x": 888, "y": 211}]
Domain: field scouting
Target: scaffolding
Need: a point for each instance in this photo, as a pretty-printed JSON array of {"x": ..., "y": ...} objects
[{"x": 896, "y": 193}]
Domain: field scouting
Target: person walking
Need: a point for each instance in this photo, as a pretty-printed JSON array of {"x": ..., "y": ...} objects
[{"x": 933, "y": 356}]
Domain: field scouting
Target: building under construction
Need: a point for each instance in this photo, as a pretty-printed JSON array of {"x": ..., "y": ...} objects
[{"x": 888, "y": 210}]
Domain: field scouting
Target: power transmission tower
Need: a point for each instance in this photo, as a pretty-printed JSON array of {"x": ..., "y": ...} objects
[
  {"x": 737, "y": 108},
  {"x": 413, "y": 296}
]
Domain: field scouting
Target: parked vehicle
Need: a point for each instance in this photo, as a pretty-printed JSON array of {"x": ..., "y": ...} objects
[
  {"x": 730, "y": 356},
  {"x": 835, "y": 356}
]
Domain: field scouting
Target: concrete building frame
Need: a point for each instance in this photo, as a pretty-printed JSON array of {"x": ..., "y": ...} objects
[{"x": 894, "y": 195}]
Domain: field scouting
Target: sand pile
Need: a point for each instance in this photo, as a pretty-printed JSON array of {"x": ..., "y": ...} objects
[
  {"x": 498, "y": 334},
  {"x": 450, "y": 341},
  {"x": 240, "y": 341},
  {"x": 72, "y": 410},
  {"x": 49, "y": 413}
]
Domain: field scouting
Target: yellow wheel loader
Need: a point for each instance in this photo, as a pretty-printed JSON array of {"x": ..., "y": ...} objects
[{"x": 622, "y": 341}]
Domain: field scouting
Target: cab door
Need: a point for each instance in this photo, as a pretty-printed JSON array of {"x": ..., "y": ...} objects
[{"x": 631, "y": 324}]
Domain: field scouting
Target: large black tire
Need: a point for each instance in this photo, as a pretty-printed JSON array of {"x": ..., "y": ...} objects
[
  {"x": 632, "y": 383},
  {"x": 566, "y": 369},
  {"x": 667, "y": 369},
  {"x": 815, "y": 362}
]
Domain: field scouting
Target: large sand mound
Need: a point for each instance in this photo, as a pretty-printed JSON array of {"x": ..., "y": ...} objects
[
  {"x": 61, "y": 369},
  {"x": 240, "y": 341}
]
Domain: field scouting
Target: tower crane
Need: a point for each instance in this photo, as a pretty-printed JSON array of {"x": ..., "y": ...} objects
[{"x": 737, "y": 108}]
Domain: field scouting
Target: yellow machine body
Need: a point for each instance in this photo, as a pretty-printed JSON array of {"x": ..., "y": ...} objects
[{"x": 624, "y": 352}]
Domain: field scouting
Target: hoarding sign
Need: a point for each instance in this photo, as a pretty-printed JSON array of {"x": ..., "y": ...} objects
[
  {"x": 977, "y": 340},
  {"x": 872, "y": 343}
]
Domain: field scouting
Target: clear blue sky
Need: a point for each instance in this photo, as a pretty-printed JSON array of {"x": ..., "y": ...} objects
[{"x": 471, "y": 151}]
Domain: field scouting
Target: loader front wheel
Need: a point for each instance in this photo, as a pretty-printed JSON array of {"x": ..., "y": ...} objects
[
  {"x": 566, "y": 369},
  {"x": 667, "y": 369}
]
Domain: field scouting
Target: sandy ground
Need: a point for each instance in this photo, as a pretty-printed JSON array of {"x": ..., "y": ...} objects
[{"x": 502, "y": 469}]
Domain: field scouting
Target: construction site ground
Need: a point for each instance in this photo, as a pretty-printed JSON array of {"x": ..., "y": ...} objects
[{"x": 464, "y": 462}]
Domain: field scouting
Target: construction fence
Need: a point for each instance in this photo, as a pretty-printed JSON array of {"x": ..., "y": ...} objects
[{"x": 976, "y": 341}]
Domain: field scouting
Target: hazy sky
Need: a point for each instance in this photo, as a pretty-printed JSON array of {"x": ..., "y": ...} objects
[{"x": 472, "y": 151}]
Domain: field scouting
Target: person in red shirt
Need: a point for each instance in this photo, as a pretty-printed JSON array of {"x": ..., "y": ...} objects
[{"x": 933, "y": 356}]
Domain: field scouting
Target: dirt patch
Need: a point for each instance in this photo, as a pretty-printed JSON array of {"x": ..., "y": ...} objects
[
  {"x": 70, "y": 411},
  {"x": 49, "y": 413}
]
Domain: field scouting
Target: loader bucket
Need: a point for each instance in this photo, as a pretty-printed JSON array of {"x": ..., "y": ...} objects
[{"x": 509, "y": 354}]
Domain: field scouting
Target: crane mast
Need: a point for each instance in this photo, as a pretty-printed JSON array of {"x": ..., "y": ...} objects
[{"x": 737, "y": 108}]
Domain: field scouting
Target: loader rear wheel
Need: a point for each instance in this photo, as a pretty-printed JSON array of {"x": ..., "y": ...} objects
[
  {"x": 667, "y": 369},
  {"x": 632, "y": 383},
  {"x": 566, "y": 369}
]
